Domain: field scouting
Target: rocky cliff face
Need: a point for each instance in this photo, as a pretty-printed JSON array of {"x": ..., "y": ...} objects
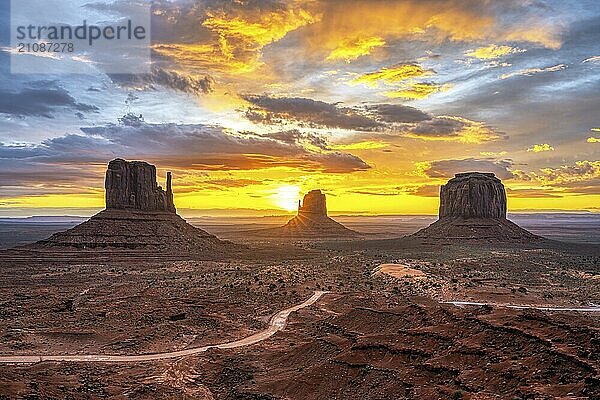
[
  {"x": 131, "y": 185},
  {"x": 473, "y": 195},
  {"x": 314, "y": 204}
]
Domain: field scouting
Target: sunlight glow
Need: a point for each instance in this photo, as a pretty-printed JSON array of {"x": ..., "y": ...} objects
[{"x": 287, "y": 197}]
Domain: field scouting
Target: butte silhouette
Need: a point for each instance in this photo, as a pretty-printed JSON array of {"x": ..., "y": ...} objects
[
  {"x": 139, "y": 214},
  {"x": 473, "y": 207},
  {"x": 311, "y": 221}
]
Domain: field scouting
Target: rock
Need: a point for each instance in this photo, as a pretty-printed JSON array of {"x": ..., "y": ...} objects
[
  {"x": 311, "y": 221},
  {"x": 139, "y": 215},
  {"x": 473, "y": 207},
  {"x": 473, "y": 195},
  {"x": 132, "y": 185},
  {"x": 313, "y": 205}
]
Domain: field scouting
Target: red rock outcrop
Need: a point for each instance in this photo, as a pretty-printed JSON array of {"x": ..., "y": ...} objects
[
  {"x": 473, "y": 207},
  {"x": 131, "y": 185},
  {"x": 312, "y": 220},
  {"x": 139, "y": 215},
  {"x": 473, "y": 195}
]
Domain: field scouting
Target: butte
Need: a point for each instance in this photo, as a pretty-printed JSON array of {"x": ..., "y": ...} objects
[
  {"x": 473, "y": 208},
  {"x": 139, "y": 215},
  {"x": 311, "y": 221}
]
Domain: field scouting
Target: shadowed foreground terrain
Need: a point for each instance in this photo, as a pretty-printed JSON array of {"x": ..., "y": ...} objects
[{"x": 374, "y": 336}]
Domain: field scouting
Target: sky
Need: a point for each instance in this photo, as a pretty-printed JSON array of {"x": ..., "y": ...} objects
[{"x": 253, "y": 103}]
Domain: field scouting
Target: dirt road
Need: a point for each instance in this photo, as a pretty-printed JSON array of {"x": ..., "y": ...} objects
[{"x": 276, "y": 323}]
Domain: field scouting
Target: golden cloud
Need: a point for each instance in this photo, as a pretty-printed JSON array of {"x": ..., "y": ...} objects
[
  {"x": 581, "y": 171},
  {"x": 366, "y": 145},
  {"x": 433, "y": 20},
  {"x": 492, "y": 51},
  {"x": 593, "y": 140},
  {"x": 538, "y": 148},
  {"x": 238, "y": 40},
  {"x": 417, "y": 91},
  {"x": 349, "y": 50},
  {"x": 392, "y": 75},
  {"x": 493, "y": 153},
  {"x": 453, "y": 129}
]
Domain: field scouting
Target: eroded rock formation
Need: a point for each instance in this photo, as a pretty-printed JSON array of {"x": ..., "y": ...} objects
[
  {"x": 132, "y": 185},
  {"x": 139, "y": 215},
  {"x": 312, "y": 220},
  {"x": 314, "y": 205},
  {"x": 473, "y": 195},
  {"x": 473, "y": 207}
]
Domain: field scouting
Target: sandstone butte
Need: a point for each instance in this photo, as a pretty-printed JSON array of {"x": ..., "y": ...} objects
[
  {"x": 139, "y": 215},
  {"x": 473, "y": 207}
]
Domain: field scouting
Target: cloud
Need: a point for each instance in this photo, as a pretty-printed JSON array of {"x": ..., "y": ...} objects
[
  {"x": 493, "y": 153},
  {"x": 391, "y": 118},
  {"x": 538, "y": 148},
  {"x": 593, "y": 60},
  {"x": 580, "y": 171},
  {"x": 403, "y": 78},
  {"x": 69, "y": 163},
  {"x": 592, "y": 139},
  {"x": 351, "y": 49},
  {"x": 417, "y": 91},
  {"x": 168, "y": 79},
  {"x": 275, "y": 110},
  {"x": 492, "y": 51},
  {"x": 366, "y": 145},
  {"x": 397, "y": 113},
  {"x": 213, "y": 148},
  {"x": 226, "y": 37},
  {"x": 533, "y": 71},
  {"x": 531, "y": 193},
  {"x": 430, "y": 21},
  {"x": 392, "y": 75},
  {"x": 453, "y": 129},
  {"x": 448, "y": 168},
  {"x": 40, "y": 99}
]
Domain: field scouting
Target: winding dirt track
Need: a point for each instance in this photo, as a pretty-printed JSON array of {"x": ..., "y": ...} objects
[{"x": 276, "y": 323}]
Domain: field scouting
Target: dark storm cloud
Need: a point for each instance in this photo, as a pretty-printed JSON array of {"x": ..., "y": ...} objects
[
  {"x": 168, "y": 79},
  {"x": 448, "y": 168},
  {"x": 40, "y": 98},
  {"x": 398, "y": 113},
  {"x": 314, "y": 113},
  {"x": 387, "y": 119}
]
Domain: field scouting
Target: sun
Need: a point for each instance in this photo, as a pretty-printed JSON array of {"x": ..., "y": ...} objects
[{"x": 286, "y": 197}]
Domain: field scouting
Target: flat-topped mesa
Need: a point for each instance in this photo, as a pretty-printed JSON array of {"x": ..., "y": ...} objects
[
  {"x": 473, "y": 207},
  {"x": 473, "y": 195},
  {"x": 131, "y": 185},
  {"x": 314, "y": 204}
]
